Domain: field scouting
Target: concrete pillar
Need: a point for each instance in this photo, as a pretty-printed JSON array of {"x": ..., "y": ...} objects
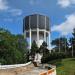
[
  {"x": 38, "y": 37},
  {"x": 49, "y": 40},
  {"x": 45, "y": 31},
  {"x": 24, "y": 34},
  {"x": 30, "y": 38},
  {"x": 46, "y": 38},
  {"x": 45, "y": 35},
  {"x": 38, "y": 30},
  {"x": 29, "y": 33}
]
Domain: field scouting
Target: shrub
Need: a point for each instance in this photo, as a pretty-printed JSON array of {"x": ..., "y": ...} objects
[
  {"x": 52, "y": 56},
  {"x": 2, "y": 61}
]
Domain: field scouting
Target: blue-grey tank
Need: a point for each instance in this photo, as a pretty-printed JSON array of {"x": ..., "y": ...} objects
[{"x": 36, "y": 21}]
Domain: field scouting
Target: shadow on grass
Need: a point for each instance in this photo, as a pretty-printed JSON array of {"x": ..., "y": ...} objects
[
  {"x": 72, "y": 59},
  {"x": 57, "y": 62}
]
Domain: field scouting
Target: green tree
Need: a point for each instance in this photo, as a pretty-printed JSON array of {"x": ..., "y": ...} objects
[
  {"x": 61, "y": 44},
  {"x": 43, "y": 48},
  {"x": 34, "y": 48},
  {"x": 13, "y": 48},
  {"x": 72, "y": 44}
]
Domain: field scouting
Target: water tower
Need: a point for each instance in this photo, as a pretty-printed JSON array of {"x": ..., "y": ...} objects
[{"x": 36, "y": 27}]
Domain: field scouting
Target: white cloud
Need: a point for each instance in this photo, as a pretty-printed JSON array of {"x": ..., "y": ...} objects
[
  {"x": 3, "y": 5},
  {"x": 66, "y": 27},
  {"x": 16, "y": 12},
  {"x": 13, "y": 11},
  {"x": 66, "y": 3}
]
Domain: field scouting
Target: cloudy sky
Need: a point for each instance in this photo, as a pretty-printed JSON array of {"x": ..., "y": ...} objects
[{"x": 60, "y": 12}]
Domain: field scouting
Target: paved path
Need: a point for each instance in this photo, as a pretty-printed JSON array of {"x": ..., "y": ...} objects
[
  {"x": 25, "y": 70},
  {"x": 34, "y": 71}
]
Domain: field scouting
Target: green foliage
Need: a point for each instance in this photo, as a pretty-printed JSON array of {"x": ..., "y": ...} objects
[
  {"x": 60, "y": 43},
  {"x": 44, "y": 44},
  {"x": 72, "y": 44},
  {"x": 43, "y": 49},
  {"x": 73, "y": 33},
  {"x": 2, "y": 61},
  {"x": 13, "y": 48},
  {"x": 65, "y": 46},
  {"x": 34, "y": 48},
  {"x": 52, "y": 56}
]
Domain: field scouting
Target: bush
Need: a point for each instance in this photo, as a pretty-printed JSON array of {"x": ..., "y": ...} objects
[
  {"x": 52, "y": 56},
  {"x": 13, "y": 48},
  {"x": 2, "y": 61},
  {"x": 45, "y": 58}
]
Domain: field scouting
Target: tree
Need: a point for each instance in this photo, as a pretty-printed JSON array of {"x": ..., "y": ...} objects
[
  {"x": 13, "y": 48},
  {"x": 61, "y": 44},
  {"x": 34, "y": 48},
  {"x": 72, "y": 43},
  {"x": 43, "y": 48}
]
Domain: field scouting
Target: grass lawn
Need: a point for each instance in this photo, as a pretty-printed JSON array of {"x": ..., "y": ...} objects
[{"x": 65, "y": 66}]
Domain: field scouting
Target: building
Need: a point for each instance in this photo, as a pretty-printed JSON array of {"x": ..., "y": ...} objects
[{"x": 37, "y": 27}]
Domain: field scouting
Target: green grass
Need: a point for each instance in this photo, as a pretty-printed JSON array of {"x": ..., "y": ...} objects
[{"x": 65, "y": 66}]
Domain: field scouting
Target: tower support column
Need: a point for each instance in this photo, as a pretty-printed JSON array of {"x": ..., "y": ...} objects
[
  {"x": 49, "y": 41},
  {"x": 24, "y": 34},
  {"x": 38, "y": 37},
  {"x": 45, "y": 35},
  {"x": 30, "y": 38}
]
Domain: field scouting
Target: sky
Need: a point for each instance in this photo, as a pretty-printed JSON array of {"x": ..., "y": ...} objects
[{"x": 60, "y": 12}]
